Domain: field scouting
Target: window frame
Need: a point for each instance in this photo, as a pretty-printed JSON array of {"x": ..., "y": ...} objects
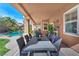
[{"x": 64, "y": 21}]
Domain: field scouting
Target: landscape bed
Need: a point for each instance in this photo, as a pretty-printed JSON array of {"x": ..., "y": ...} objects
[{"x": 3, "y": 49}]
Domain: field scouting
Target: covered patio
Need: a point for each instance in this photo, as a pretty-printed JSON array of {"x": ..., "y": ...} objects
[{"x": 40, "y": 14}]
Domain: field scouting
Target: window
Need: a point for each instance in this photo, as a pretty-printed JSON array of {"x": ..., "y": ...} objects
[
  {"x": 45, "y": 26},
  {"x": 71, "y": 22},
  {"x": 71, "y": 27}
]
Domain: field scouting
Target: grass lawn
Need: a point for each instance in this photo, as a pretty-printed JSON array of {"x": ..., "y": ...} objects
[{"x": 3, "y": 49}]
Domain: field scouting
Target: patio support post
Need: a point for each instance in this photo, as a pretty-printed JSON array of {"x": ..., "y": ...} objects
[{"x": 26, "y": 25}]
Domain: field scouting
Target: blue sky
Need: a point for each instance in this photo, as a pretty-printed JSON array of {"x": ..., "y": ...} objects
[{"x": 8, "y": 10}]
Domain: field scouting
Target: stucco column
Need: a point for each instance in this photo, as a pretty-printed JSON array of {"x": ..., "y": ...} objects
[{"x": 26, "y": 25}]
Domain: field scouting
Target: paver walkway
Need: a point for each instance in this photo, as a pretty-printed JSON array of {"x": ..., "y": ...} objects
[{"x": 12, "y": 45}]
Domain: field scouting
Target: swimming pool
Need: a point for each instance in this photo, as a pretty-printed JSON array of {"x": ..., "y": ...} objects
[{"x": 12, "y": 34}]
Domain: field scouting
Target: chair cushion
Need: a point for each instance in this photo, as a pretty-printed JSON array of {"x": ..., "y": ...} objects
[
  {"x": 54, "y": 38},
  {"x": 27, "y": 38}
]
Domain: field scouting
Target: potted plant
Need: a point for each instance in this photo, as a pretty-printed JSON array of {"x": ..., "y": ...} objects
[{"x": 50, "y": 29}]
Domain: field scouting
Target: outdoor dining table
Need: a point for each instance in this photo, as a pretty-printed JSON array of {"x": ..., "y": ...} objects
[{"x": 40, "y": 46}]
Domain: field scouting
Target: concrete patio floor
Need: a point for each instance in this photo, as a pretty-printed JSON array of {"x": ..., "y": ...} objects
[{"x": 14, "y": 50}]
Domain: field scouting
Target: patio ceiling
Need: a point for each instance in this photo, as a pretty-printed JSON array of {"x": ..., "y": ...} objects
[
  {"x": 42, "y": 11},
  {"x": 23, "y": 11}
]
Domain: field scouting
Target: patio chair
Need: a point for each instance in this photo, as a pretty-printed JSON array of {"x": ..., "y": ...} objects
[
  {"x": 27, "y": 38},
  {"x": 30, "y": 36},
  {"x": 21, "y": 44},
  {"x": 57, "y": 44}
]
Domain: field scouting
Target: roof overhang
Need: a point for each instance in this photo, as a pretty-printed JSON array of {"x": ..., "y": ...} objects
[
  {"x": 41, "y": 11},
  {"x": 23, "y": 10}
]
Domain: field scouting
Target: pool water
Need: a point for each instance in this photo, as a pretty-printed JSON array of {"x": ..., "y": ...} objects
[{"x": 12, "y": 34}]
